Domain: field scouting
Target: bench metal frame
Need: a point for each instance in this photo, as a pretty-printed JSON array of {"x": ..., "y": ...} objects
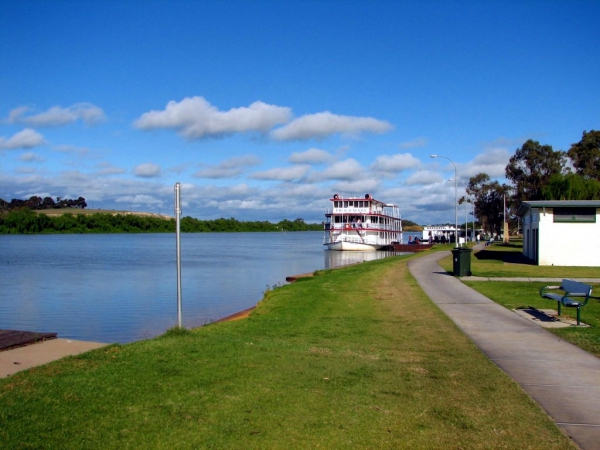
[{"x": 576, "y": 295}]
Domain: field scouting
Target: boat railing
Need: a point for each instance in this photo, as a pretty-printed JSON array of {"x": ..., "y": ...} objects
[
  {"x": 372, "y": 240},
  {"x": 365, "y": 227}
]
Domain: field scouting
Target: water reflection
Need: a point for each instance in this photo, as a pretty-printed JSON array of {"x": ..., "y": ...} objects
[{"x": 334, "y": 259}]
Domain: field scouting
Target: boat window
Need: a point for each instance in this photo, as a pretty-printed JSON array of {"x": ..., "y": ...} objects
[{"x": 345, "y": 204}]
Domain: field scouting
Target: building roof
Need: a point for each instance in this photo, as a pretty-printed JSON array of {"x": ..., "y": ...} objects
[{"x": 538, "y": 204}]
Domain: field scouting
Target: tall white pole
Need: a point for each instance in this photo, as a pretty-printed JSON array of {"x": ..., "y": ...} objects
[
  {"x": 473, "y": 230},
  {"x": 178, "y": 245},
  {"x": 466, "y": 222},
  {"x": 455, "y": 199}
]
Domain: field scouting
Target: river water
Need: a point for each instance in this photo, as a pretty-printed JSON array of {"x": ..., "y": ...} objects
[{"x": 123, "y": 287}]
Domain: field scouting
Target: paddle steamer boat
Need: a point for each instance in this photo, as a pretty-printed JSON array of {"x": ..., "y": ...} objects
[{"x": 361, "y": 224}]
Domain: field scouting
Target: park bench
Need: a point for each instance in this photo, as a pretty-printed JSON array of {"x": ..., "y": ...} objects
[{"x": 576, "y": 295}]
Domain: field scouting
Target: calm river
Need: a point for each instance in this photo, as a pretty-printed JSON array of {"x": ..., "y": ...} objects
[{"x": 123, "y": 287}]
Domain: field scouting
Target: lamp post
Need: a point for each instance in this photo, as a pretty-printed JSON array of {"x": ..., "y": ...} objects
[{"x": 455, "y": 199}]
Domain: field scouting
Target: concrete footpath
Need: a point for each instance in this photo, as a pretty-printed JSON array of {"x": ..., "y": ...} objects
[
  {"x": 21, "y": 358},
  {"x": 563, "y": 379}
]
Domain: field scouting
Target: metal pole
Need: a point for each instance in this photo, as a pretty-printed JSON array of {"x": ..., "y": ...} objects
[
  {"x": 466, "y": 222},
  {"x": 178, "y": 245},
  {"x": 473, "y": 231}
]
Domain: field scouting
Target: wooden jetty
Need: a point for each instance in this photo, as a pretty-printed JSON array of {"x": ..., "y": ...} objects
[{"x": 14, "y": 338}]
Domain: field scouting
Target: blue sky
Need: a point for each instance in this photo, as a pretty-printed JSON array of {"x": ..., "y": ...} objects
[{"x": 264, "y": 109}]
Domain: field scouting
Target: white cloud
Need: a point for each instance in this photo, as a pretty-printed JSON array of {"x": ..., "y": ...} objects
[
  {"x": 31, "y": 157},
  {"x": 26, "y": 138},
  {"x": 358, "y": 187},
  {"x": 57, "y": 116},
  {"x": 492, "y": 161},
  {"x": 423, "y": 178},
  {"x": 229, "y": 168},
  {"x": 348, "y": 169},
  {"x": 310, "y": 156},
  {"x": 196, "y": 118},
  {"x": 321, "y": 125},
  {"x": 282, "y": 173},
  {"x": 416, "y": 143},
  {"x": 81, "y": 151},
  {"x": 106, "y": 168},
  {"x": 395, "y": 164},
  {"x": 141, "y": 199},
  {"x": 147, "y": 170}
]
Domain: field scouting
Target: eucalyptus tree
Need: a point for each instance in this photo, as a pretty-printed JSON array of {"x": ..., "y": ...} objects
[
  {"x": 531, "y": 168},
  {"x": 585, "y": 155},
  {"x": 571, "y": 186},
  {"x": 489, "y": 199}
]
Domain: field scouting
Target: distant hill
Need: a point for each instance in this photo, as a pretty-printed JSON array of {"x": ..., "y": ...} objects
[{"x": 408, "y": 225}]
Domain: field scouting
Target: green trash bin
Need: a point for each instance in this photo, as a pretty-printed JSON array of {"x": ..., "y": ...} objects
[{"x": 461, "y": 258}]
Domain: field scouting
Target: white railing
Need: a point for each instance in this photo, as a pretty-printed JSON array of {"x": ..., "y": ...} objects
[{"x": 373, "y": 227}]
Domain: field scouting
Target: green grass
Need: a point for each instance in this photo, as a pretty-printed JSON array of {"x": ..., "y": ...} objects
[{"x": 352, "y": 358}]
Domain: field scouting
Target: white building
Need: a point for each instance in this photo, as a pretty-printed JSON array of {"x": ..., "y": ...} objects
[{"x": 561, "y": 232}]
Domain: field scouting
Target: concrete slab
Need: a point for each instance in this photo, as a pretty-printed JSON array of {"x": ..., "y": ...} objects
[
  {"x": 534, "y": 347},
  {"x": 566, "y": 411},
  {"x": 552, "y": 372},
  {"x": 585, "y": 436},
  {"x": 547, "y": 318},
  {"x": 22, "y": 358}
]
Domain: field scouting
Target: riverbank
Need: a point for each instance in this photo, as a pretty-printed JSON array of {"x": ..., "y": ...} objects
[{"x": 351, "y": 358}]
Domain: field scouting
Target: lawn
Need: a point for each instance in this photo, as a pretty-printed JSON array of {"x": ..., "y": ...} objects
[{"x": 357, "y": 357}]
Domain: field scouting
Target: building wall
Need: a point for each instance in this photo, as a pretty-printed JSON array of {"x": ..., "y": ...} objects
[{"x": 566, "y": 244}]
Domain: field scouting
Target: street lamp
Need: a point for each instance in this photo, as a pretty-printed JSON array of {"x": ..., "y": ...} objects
[{"x": 455, "y": 198}]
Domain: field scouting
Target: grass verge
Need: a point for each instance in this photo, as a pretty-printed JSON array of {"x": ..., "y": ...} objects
[{"x": 351, "y": 358}]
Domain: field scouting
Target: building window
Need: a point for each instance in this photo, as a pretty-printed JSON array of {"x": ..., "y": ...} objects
[{"x": 575, "y": 215}]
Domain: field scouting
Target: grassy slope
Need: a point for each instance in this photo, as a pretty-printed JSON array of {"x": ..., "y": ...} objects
[{"x": 352, "y": 358}]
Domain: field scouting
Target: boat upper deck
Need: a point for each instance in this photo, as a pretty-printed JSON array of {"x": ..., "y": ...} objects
[{"x": 358, "y": 205}]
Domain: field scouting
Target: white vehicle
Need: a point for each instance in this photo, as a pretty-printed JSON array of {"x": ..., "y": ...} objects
[{"x": 361, "y": 224}]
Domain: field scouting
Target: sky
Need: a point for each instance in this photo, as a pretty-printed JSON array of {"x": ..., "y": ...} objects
[{"x": 263, "y": 110}]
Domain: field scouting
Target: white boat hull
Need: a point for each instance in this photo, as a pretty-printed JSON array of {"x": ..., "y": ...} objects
[{"x": 352, "y": 246}]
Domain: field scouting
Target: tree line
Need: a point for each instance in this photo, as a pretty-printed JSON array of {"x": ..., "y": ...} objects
[
  {"x": 38, "y": 203},
  {"x": 26, "y": 221},
  {"x": 537, "y": 172}
]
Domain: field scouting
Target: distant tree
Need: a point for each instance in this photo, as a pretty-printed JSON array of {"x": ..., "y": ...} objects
[
  {"x": 34, "y": 202},
  {"x": 488, "y": 201},
  {"x": 586, "y": 155},
  {"x": 47, "y": 203},
  {"x": 531, "y": 167},
  {"x": 80, "y": 203}
]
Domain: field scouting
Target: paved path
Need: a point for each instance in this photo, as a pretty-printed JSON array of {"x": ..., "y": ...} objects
[
  {"x": 17, "y": 359},
  {"x": 561, "y": 377}
]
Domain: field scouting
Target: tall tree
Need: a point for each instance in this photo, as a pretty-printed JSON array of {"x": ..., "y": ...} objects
[
  {"x": 586, "y": 155},
  {"x": 531, "y": 167},
  {"x": 489, "y": 201},
  {"x": 571, "y": 186}
]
